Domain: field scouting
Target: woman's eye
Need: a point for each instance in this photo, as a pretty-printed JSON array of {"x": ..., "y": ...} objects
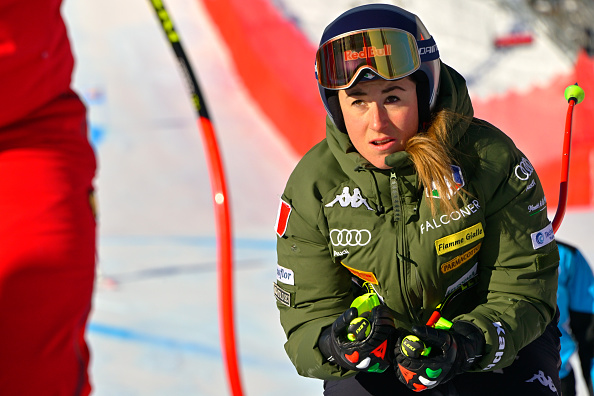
[
  {"x": 357, "y": 102},
  {"x": 392, "y": 99}
]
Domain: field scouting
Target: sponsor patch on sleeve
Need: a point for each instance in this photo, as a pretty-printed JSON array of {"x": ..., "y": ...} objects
[
  {"x": 366, "y": 276},
  {"x": 285, "y": 275},
  {"x": 543, "y": 237},
  {"x": 459, "y": 239},
  {"x": 524, "y": 169},
  {"x": 282, "y": 296},
  {"x": 282, "y": 218}
]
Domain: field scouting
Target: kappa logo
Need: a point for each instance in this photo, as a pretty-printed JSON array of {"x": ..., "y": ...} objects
[
  {"x": 350, "y": 237},
  {"x": 458, "y": 178},
  {"x": 524, "y": 170},
  {"x": 544, "y": 380},
  {"x": 345, "y": 199},
  {"x": 501, "y": 350}
]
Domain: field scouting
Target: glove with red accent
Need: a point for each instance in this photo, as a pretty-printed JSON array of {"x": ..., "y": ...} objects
[
  {"x": 373, "y": 353},
  {"x": 452, "y": 352}
]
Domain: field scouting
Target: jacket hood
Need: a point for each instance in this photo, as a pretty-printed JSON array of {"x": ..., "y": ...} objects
[{"x": 453, "y": 96}]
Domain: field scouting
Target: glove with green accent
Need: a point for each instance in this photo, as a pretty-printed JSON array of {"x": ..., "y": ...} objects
[
  {"x": 452, "y": 352},
  {"x": 373, "y": 353}
]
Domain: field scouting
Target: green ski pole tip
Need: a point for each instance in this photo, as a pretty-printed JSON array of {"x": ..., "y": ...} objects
[{"x": 576, "y": 92}]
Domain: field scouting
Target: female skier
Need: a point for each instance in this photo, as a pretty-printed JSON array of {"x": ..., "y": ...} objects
[{"x": 432, "y": 211}]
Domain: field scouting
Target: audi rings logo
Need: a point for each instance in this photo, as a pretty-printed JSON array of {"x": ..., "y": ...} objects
[
  {"x": 350, "y": 237},
  {"x": 524, "y": 169}
]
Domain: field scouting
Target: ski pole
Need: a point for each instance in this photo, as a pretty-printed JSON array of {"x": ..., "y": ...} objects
[
  {"x": 574, "y": 94},
  {"x": 220, "y": 198}
]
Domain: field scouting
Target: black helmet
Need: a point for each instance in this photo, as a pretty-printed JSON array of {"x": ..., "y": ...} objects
[{"x": 376, "y": 41}]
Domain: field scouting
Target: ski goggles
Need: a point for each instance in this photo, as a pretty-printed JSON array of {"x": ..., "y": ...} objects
[{"x": 390, "y": 53}]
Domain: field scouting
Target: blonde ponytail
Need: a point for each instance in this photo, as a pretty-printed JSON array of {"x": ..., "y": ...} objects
[{"x": 430, "y": 152}]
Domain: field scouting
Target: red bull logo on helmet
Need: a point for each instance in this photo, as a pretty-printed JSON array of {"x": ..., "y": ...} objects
[{"x": 368, "y": 52}]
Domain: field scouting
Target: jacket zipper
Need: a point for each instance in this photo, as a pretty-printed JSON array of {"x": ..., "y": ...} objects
[
  {"x": 402, "y": 251},
  {"x": 395, "y": 196}
]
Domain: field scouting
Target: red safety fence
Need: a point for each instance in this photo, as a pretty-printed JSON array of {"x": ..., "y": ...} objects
[{"x": 276, "y": 64}]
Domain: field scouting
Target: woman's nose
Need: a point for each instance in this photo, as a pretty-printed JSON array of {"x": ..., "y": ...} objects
[{"x": 379, "y": 116}]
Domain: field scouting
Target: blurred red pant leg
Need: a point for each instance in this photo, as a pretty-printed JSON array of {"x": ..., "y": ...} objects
[{"x": 47, "y": 251}]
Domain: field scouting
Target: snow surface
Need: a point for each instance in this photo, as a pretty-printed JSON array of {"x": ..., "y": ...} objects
[{"x": 154, "y": 327}]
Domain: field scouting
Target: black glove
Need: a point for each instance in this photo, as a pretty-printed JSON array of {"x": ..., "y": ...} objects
[
  {"x": 373, "y": 353},
  {"x": 453, "y": 352}
]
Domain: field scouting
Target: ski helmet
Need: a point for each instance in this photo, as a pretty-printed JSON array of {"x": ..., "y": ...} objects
[{"x": 376, "y": 41}]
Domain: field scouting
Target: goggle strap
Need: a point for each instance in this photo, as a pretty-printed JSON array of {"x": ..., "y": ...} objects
[{"x": 428, "y": 50}]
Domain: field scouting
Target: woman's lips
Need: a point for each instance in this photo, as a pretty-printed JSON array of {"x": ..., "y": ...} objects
[{"x": 383, "y": 143}]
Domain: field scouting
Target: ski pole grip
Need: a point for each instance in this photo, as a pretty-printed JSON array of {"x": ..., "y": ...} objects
[
  {"x": 365, "y": 302},
  {"x": 360, "y": 327}
]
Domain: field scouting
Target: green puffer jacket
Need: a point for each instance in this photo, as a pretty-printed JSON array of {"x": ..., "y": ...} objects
[{"x": 340, "y": 217}]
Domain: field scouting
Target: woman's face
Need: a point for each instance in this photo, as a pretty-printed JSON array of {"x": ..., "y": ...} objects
[{"x": 380, "y": 116}]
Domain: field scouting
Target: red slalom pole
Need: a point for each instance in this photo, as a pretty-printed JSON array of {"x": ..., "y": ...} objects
[
  {"x": 221, "y": 203},
  {"x": 574, "y": 95},
  {"x": 225, "y": 257}
]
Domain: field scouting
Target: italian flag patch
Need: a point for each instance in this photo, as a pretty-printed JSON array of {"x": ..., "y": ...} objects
[{"x": 282, "y": 218}]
